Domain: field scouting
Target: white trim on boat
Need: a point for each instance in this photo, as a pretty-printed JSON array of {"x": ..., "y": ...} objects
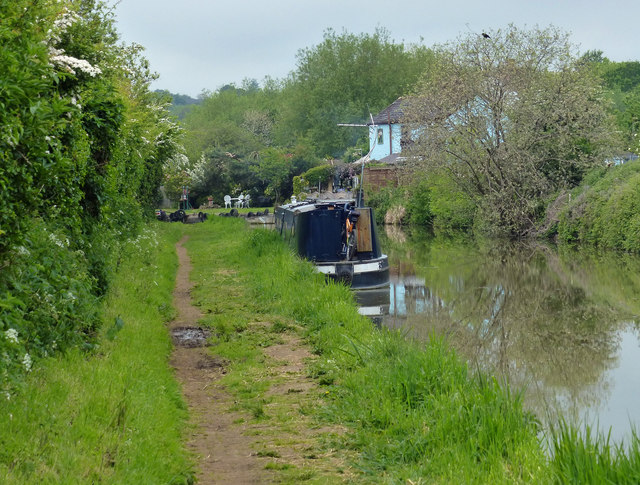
[
  {"x": 358, "y": 268},
  {"x": 326, "y": 268},
  {"x": 369, "y": 311}
]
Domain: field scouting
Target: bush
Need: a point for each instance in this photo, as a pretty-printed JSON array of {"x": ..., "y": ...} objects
[
  {"x": 451, "y": 208},
  {"x": 383, "y": 200},
  {"x": 47, "y": 302},
  {"x": 419, "y": 204},
  {"x": 606, "y": 213},
  {"x": 431, "y": 200},
  {"x": 82, "y": 143},
  {"x": 318, "y": 175}
]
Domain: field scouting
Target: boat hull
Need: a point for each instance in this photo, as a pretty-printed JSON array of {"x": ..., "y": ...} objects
[{"x": 359, "y": 274}]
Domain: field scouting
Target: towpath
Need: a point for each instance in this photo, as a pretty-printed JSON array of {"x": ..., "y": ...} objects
[{"x": 228, "y": 445}]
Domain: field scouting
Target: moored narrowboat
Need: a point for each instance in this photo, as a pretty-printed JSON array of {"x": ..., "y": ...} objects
[{"x": 338, "y": 238}]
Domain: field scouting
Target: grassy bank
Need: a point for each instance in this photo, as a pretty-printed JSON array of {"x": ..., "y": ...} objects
[
  {"x": 411, "y": 411},
  {"x": 375, "y": 409},
  {"x": 112, "y": 414},
  {"x": 604, "y": 210}
]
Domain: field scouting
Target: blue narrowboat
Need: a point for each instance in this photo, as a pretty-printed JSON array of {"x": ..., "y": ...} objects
[{"x": 338, "y": 238}]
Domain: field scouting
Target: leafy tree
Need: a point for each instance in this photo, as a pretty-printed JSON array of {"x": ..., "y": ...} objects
[
  {"x": 82, "y": 143},
  {"x": 274, "y": 168},
  {"x": 341, "y": 80},
  {"x": 512, "y": 118}
]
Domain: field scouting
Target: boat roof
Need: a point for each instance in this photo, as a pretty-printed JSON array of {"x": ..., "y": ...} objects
[{"x": 312, "y": 204}]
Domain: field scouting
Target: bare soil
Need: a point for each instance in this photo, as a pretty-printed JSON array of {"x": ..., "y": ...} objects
[
  {"x": 223, "y": 451},
  {"x": 230, "y": 447}
]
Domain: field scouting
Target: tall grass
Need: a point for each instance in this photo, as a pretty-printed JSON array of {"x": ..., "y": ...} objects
[
  {"x": 113, "y": 414},
  {"x": 589, "y": 456},
  {"x": 414, "y": 412}
]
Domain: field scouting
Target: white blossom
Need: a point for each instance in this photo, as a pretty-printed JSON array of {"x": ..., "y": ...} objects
[
  {"x": 72, "y": 63},
  {"x": 54, "y": 239},
  {"x": 26, "y": 362},
  {"x": 22, "y": 251},
  {"x": 11, "y": 335}
]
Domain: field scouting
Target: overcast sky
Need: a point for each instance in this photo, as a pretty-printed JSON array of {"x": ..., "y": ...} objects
[{"x": 198, "y": 45}]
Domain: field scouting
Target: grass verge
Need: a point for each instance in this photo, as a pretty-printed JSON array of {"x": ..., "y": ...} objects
[{"x": 113, "y": 414}]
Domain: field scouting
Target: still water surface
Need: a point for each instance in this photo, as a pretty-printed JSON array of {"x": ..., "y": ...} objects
[{"x": 564, "y": 325}]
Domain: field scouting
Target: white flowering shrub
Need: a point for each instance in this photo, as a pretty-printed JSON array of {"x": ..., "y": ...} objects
[{"x": 82, "y": 144}]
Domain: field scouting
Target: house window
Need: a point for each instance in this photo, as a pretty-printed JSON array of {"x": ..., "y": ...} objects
[{"x": 380, "y": 137}]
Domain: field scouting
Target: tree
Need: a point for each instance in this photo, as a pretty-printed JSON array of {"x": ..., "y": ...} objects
[
  {"x": 274, "y": 168},
  {"x": 512, "y": 118},
  {"x": 341, "y": 80}
]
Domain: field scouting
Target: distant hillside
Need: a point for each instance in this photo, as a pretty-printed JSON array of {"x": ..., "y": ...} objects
[{"x": 181, "y": 104}]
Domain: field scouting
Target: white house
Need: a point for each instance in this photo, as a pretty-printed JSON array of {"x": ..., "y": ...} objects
[{"x": 386, "y": 133}]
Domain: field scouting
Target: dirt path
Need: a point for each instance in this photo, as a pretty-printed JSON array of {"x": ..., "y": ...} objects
[
  {"x": 223, "y": 451},
  {"x": 283, "y": 444}
]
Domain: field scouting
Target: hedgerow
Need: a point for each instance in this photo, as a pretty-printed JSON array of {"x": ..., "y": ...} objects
[{"x": 82, "y": 145}]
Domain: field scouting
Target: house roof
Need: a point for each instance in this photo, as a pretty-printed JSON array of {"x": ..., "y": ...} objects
[
  {"x": 393, "y": 112},
  {"x": 393, "y": 158}
]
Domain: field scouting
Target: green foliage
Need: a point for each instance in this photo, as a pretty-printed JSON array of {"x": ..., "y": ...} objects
[
  {"x": 418, "y": 205},
  {"x": 337, "y": 81},
  {"x": 49, "y": 301},
  {"x": 318, "y": 175},
  {"x": 384, "y": 199},
  {"x": 605, "y": 213},
  {"x": 113, "y": 415},
  {"x": 344, "y": 77},
  {"x": 273, "y": 168},
  {"x": 299, "y": 185},
  {"x": 452, "y": 208},
  {"x": 431, "y": 200},
  {"x": 494, "y": 115},
  {"x": 82, "y": 143}
]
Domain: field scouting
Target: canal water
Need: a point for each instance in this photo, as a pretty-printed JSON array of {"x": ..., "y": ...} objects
[{"x": 563, "y": 325}]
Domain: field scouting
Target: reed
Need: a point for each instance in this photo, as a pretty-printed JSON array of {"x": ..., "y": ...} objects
[{"x": 582, "y": 454}]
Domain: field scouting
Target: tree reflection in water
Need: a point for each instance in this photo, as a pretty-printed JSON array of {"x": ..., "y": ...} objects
[{"x": 545, "y": 320}]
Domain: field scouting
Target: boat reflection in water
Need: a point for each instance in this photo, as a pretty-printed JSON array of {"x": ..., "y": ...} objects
[{"x": 405, "y": 295}]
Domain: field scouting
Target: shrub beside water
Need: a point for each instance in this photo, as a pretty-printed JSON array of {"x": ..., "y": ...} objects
[
  {"x": 605, "y": 210},
  {"x": 432, "y": 200}
]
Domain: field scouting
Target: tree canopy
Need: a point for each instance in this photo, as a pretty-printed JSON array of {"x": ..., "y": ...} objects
[
  {"x": 82, "y": 145},
  {"x": 340, "y": 80},
  {"x": 511, "y": 117}
]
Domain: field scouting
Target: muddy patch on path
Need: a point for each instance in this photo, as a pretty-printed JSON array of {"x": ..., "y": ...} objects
[
  {"x": 222, "y": 449},
  {"x": 190, "y": 337}
]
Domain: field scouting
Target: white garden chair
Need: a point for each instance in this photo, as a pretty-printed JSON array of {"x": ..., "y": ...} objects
[{"x": 227, "y": 201}]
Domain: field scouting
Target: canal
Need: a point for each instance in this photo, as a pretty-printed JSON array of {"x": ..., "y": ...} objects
[{"x": 563, "y": 325}]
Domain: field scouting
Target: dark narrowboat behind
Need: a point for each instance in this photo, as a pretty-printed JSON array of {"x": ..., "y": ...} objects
[{"x": 338, "y": 238}]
